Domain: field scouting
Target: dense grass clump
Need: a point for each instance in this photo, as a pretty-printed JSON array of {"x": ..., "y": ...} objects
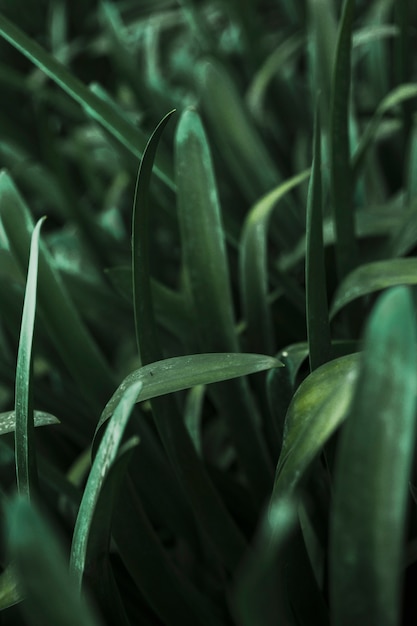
[{"x": 228, "y": 402}]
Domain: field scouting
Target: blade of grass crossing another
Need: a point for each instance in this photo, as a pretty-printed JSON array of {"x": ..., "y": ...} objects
[
  {"x": 105, "y": 457},
  {"x": 25, "y": 454},
  {"x": 340, "y": 165},
  {"x": 317, "y": 312},
  {"x": 369, "y": 521}
]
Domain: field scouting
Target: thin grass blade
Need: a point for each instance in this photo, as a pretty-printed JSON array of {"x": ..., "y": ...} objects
[
  {"x": 73, "y": 341},
  {"x": 254, "y": 268},
  {"x": 340, "y": 165},
  {"x": 25, "y": 454},
  {"x": 90, "y": 525},
  {"x": 146, "y": 335},
  {"x": 317, "y": 311},
  {"x": 369, "y": 522}
]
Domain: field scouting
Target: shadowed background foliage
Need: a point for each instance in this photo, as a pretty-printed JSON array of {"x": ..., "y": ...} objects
[{"x": 226, "y": 402}]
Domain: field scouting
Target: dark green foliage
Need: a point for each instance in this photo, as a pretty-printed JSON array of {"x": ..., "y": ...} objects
[{"x": 182, "y": 341}]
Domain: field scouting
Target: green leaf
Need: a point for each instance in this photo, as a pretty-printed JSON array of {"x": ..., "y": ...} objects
[
  {"x": 254, "y": 267},
  {"x": 146, "y": 334},
  {"x": 92, "y": 527},
  {"x": 49, "y": 592},
  {"x": 397, "y": 96},
  {"x": 62, "y": 320},
  {"x": 319, "y": 406},
  {"x": 207, "y": 272},
  {"x": 373, "y": 277},
  {"x": 178, "y": 373},
  {"x": 317, "y": 312},
  {"x": 10, "y": 593},
  {"x": 369, "y": 520},
  {"x": 40, "y": 418},
  {"x": 26, "y": 467},
  {"x": 203, "y": 238},
  {"x": 340, "y": 165},
  {"x": 95, "y": 107}
]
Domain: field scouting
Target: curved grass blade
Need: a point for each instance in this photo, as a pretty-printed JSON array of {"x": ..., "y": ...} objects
[
  {"x": 74, "y": 343},
  {"x": 49, "y": 591},
  {"x": 91, "y": 525},
  {"x": 254, "y": 268},
  {"x": 317, "y": 312},
  {"x": 146, "y": 335},
  {"x": 397, "y": 96},
  {"x": 368, "y": 524},
  {"x": 26, "y": 466},
  {"x": 319, "y": 406},
  {"x": 340, "y": 165},
  {"x": 183, "y": 372},
  {"x": 95, "y": 107},
  {"x": 374, "y": 277}
]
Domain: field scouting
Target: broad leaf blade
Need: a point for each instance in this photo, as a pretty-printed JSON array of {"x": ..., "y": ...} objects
[
  {"x": 373, "y": 471},
  {"x": 318, "y": 408},
  {"x": 183, "y": 372}
]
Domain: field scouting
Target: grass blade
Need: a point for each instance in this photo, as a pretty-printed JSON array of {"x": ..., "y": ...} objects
[
  {"x": 368, "y": 528},
  {"x": 340, "y": 165},
  {"x": 146, "y": 335},
  {"x": 317, "y": 409},
  {"x": 95, "y": 107},
  {"x": 317, "y": 312},
  {"x": 254, "y": 268},
  {"x": 207, "y": 270},
  {"x": 10, "y": 593},
  {"x": 90, "y": 525},
  {"x": 372, "y": 277},
  {"x": 26, "y": 467},
  {"x": 50, "y": 594},
  {"x": 70, "y": 336},
  {"x": 202, "y": 237},
  {"x": 183, "y": 372},
  {"x": 40, "y": 418}
]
